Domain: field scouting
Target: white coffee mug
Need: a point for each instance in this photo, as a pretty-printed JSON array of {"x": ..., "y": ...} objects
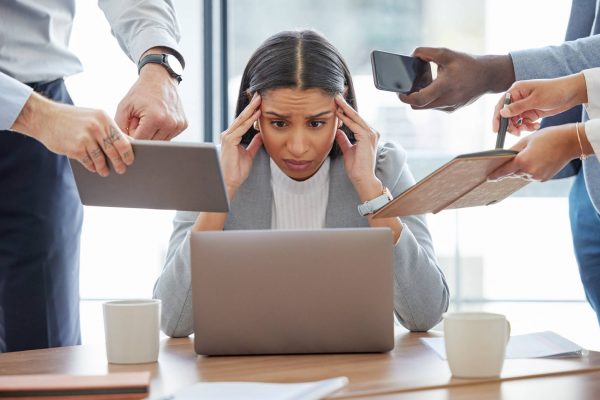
[
  {"x": 131, "y": 329},
  {"x": 475, "y": 343}
]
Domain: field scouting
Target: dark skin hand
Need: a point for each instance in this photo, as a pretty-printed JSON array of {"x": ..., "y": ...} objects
[{"x": 461, "y": 79}]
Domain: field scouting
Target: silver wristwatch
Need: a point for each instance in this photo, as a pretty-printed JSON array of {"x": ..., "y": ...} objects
[{"x": 370, "y": 206}]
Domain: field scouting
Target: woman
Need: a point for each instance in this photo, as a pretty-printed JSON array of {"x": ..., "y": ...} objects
[{"x": 299, "y": 145}]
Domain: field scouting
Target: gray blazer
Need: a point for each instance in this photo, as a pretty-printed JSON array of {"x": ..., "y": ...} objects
[{"x": 421, "y": 293}]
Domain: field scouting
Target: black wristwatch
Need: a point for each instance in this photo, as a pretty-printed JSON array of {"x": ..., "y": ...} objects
[{"x": 170, "y": 62}]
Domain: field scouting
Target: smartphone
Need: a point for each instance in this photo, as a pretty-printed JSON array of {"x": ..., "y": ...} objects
[{"x": 398, "y": 73}]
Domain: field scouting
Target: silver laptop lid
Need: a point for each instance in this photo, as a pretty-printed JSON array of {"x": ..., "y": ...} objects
[{"x": 297, "y": 291}]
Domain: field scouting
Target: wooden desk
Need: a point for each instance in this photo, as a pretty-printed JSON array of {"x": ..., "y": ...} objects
[{"x": 410, "y": 368}]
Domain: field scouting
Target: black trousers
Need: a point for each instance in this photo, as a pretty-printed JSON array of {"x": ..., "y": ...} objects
[{"x": 40, "y": 227}]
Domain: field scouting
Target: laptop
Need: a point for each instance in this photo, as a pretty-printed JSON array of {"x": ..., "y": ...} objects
[
  {"x": 292, "y": 291},
  {"x": 164, "y": 175}
]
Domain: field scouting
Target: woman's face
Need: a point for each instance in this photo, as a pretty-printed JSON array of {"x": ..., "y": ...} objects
[{"x": 298, "y": 129}]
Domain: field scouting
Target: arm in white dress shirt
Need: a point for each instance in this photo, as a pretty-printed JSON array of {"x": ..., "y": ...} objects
[
  {"x": 592, "y": 127},
  {"x": 152, "y": 108},
  {"x": 78, "y": 133}
]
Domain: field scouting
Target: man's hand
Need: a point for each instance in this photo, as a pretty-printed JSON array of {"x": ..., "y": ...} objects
[
  {"x": 82, "y": 134},
  {"x": 461, "y": 79},
  {"x": 152, "y": 108}
]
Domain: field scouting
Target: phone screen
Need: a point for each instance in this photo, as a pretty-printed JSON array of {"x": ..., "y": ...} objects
[{"x": 398, "y": 73}]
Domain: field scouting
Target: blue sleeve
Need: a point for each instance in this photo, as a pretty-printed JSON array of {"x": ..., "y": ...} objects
[
  {"x": 13, "y": 96},
  {"x": 554, "y": 61}
]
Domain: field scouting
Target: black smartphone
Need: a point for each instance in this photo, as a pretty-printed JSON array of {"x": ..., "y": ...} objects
[{"x": 398, "y": 73}]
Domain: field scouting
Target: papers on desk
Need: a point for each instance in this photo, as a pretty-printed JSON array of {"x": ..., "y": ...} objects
[
  {"x": 532, "y": 345},
  {"x": 256, "y": 390}
]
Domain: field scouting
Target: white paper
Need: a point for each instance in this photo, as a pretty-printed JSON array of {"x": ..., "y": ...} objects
[
  {"x": 257, "y": 390},
  {"x": 532, "y": 345}
]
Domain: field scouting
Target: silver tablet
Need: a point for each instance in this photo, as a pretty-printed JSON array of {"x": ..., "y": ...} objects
[{"x": 164, "y": 175}]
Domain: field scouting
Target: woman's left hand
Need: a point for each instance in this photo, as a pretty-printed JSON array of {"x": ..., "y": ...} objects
[{"x": 359, "y": 158}]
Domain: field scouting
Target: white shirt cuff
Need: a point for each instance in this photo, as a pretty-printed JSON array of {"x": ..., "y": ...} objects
[
  {"x": 592, "y": 131},
  {"x": 592, "y": 82},
  {"x": 154, "y": 37}
]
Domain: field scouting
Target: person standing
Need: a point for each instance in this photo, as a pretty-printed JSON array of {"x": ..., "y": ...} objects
[
  {"x": 40, "y": 210},
  {"x": 462, "y": 78}
]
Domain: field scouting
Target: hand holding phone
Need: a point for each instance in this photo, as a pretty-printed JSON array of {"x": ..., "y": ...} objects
[{"x": 398, "y": 73}]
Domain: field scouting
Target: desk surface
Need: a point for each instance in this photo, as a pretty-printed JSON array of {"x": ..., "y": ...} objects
[{"x": 410, "y": 371}]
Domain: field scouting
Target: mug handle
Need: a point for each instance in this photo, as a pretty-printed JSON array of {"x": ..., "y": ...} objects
[{"x": 507, "y": 331}]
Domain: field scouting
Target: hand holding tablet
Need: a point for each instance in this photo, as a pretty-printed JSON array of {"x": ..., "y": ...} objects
[{"x": 165, "y": 175}]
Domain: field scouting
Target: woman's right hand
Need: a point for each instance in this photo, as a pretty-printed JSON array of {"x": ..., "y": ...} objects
[
  {"x": 534, "y": 99},
  {"x": 236, "y": 160},
  {"x": 542, "y": 154}
]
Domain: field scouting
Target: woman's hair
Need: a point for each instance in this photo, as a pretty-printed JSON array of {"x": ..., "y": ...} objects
[{"x": 296, "y": 59}]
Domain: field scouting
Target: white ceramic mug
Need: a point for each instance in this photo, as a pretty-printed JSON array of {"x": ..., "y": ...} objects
[
  {"x": 131, "y": 329},
  {"x": 475, "y": 343}
]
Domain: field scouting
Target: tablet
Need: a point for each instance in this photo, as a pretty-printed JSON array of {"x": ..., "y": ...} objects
[
  {"x": 164, "y": 175},
  {"x": 461, "y": 182}
]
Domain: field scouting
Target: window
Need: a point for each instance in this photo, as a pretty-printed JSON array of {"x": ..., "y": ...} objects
[
  {"x": 481, "y": 252},
  {"x": 123, "y": 250}
]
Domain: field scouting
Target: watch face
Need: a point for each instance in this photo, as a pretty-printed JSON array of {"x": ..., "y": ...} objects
[{"x": 174, "y": 64}]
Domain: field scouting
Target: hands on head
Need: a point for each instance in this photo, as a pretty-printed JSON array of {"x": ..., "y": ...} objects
[
  {"x": 360, "y": 157},
  {"x": 292, "y": 138},
  {"x": 236, "y": 160}
]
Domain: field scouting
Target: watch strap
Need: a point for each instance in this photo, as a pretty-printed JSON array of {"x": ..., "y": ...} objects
[
  {"x": 370, "y": 206},
  {"x": 158, "y": 59}
]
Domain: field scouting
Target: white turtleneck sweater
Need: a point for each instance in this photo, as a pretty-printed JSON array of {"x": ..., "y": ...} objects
[{"x": 299, "y": 204}]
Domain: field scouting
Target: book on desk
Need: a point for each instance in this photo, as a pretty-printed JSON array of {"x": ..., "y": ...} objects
[{"x": 121, "y": 385}]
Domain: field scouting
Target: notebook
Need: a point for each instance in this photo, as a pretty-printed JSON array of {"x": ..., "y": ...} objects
[
  {"x": 120, "y": 385},
  {"x": 531, "y": 345},
  {"x": 259, "y": 390}
]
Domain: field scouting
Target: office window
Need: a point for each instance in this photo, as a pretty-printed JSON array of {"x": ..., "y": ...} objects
[
  {"x": 123, "y": 250},
  {"x": 490, "y": 253}
]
